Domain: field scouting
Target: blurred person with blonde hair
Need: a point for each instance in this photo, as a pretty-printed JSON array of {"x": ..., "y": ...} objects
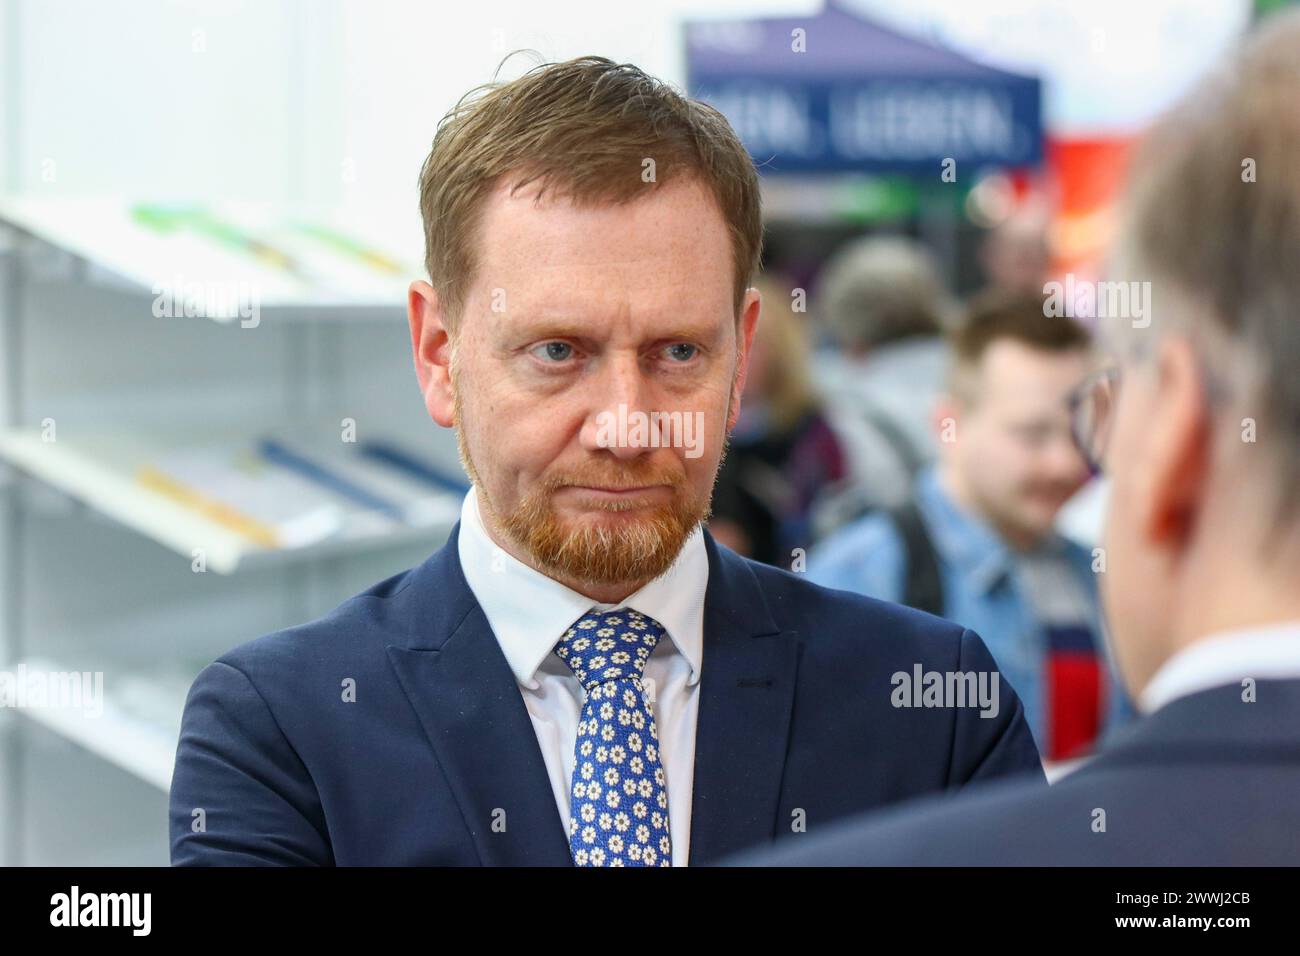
[{"x": 782, "y": 453}]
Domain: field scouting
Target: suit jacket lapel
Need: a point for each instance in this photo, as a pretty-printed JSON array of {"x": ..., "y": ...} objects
[
  {"x": 464, "y": 693},
  {"x": 462, "y": 690},
  {"x": 746, "y": 698}
]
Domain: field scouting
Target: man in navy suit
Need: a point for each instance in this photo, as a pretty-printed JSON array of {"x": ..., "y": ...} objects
[
  {"x": 1203, "y": 535},
  {"x": 581, "y": 675}
]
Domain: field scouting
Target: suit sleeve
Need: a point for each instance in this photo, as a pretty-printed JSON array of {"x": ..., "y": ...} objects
[
  {"x": 240, "y": 794},
  {"x": 998, "y": 745}
]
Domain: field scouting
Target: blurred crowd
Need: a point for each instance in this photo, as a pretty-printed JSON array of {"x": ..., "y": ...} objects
[{"x": 897, "y": 441}]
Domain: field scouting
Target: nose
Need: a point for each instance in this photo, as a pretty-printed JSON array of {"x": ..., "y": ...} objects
[{"x": 621, "y": 402}]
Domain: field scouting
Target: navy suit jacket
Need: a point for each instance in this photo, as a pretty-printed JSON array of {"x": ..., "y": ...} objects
[
  {"x": 436, "y": 760},
  {"x": 1207, "y": 780}
]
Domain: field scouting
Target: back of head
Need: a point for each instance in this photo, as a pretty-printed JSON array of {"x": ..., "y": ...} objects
[
  {"x": 1214, "y": 224},
  {"x": 1202, "y": 438},
  {"x": 879, "y": 290}
]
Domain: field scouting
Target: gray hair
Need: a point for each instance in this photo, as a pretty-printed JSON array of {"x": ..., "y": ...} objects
[
  {"x": 881, "y": 289},
  {"x": 1214, "y": 215}
]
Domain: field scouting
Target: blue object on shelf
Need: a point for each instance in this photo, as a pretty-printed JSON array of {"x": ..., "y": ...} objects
[
  {"x": 275, "y": 452},
  {"x": 397, "y": 458}
]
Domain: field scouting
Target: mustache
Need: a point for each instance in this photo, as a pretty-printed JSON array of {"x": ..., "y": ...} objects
[{"x": 632, "y": 475}]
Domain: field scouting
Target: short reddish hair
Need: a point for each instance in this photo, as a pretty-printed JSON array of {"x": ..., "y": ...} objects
[{"x": 585, "y": 128}]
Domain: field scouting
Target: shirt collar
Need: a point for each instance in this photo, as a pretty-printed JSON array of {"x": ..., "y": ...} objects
[
  {"x": 966, "y": 541},
  {"x": 973, "y": 547},
  {"x": 1227, "y": 657},
  {"x": 528, "y": 611}
]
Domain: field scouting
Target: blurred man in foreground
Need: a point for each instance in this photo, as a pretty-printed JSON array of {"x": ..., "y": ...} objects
[
  {"x": 976, "y": 542},
  {"x": 1199, "y": 424}
]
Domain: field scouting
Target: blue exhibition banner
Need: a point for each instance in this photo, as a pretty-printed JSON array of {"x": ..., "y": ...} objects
[
  {"x": 836, "y": 92},
  {"x": 879, "y": 125}
]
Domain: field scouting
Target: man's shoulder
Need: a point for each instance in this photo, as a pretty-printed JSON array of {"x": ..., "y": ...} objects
[
  {"x": 866, "y": 555},
  {"x": 349, "y": 633},
  {"x": 1109, "y": 813},
  {"x": 828, "y": 616},
  {"x": 857, "y": 655},
  {"x": 984, "y": 825},
  {"x": 859, "y": 539}
]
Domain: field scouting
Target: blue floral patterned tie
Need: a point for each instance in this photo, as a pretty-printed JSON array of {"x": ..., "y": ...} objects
[{"x": 619, "y": 796}]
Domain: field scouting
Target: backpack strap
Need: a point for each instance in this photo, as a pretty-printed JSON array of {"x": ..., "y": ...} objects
[{"x": 923, "y": 588}]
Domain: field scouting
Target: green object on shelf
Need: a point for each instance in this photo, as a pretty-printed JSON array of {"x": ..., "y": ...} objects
[
  {"x": 352, "y": 247},
  {"x": 171, "y": 218}
]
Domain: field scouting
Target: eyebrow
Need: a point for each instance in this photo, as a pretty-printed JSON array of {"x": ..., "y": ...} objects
[{"x": 530, "y": 328}]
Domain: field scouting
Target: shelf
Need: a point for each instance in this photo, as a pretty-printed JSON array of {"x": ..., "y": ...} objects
[
  {"x": 101, "y": 475},
  {"x": 297, "y": 264},
  {"x": 143, "y": 748}
]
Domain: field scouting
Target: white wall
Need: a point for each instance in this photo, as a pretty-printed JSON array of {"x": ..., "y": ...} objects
[{"x": 324, "y": 101}]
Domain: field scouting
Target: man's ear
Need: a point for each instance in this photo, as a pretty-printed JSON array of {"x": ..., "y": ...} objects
[
  {"x": 1175, "y": 458},
  {"x": 750, "y": 307},
  {"x": 431, "y": 346}
]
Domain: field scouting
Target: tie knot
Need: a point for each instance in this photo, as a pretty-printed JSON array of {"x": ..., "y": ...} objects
[{"x": 610, "y": 645}]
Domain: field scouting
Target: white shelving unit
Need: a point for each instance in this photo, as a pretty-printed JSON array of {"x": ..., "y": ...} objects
[
  {"x": 305, "y": 264},
  {"x": 142, "y": 747},
  {"x": 95, "y": 565},
  {"x": 101, "y": 478}
]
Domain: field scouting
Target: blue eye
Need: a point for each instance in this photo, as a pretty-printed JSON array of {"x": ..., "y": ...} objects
[
  {"x": 682, "y": 351},
  {"x": 554, "y": 351}
]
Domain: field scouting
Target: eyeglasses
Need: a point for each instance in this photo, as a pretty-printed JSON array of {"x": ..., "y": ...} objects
[{"x": 1092, "y": 413}]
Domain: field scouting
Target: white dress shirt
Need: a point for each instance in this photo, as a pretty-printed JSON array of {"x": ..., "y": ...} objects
[
  {"x": 529, "y": 613},
  {"x": 1261, "y": 653}
]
